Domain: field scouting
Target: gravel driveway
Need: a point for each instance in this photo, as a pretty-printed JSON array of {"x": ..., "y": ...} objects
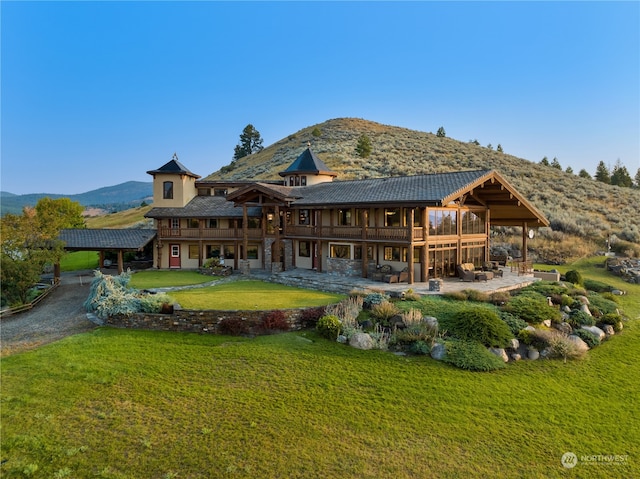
[{"x": 59, "y": 315}]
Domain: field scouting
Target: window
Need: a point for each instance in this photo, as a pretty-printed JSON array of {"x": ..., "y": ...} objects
[
  {"x": 213, "y": 251},
  {"x": 417, "y": 217},
  {"x": 392, "y": 217},
  {"x": 175, "y": 251},
  {"x": 291, "y": 181},
  {"x": 344, "y": 217},
  {"x": 303, "y": 181},
  {"x": 252, "y": 252},
  {"x": 297, "y": 181},
  {"x": 253, "y": 223},
  {"x": 472, "y": 223},
  {"x": 342, "y": 251},
  {"x": 357, "y": 252},
  {"x": 229, "y": 251},
  {"x": 204, "y": 191},
  {"x": 392, "y": 253},
  {"x": 175, "y": 223},
  {"x": 219, "y": 192},
  {"x": 194, "y": 251},
  {"x": 167, "y": 190},
  {"x": 304, "y": 217},
  {"x": 417, "y": 252},
  {"x": 193, "y": 223},
  {"x": 304, "y": 249},
  {"x": 443, "y": 222},
  {"x": 212, "y": 223}
]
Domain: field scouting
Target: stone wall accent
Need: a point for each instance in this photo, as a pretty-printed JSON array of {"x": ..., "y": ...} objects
[
  {"x": 202, "y": 321},
  {"x": 344, "y": 267}
]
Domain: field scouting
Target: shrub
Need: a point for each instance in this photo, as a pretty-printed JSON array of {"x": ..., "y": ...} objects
[
  {"x": 532, "y": 307},
  {"x": 411, "y": 295},
  {"x": 111, "y": 296},
  {"x": 597, "y": 286},
  {"x": 480, "y": 324},
  {"x": 274, "y": 321},
  {"x": 310, "y": 316},
  {"x": 233, "y": 326},
  {"x": 420, "y": 348},
  {"x": 588, "y": 337},
  {"x": 613, "y": 319},
  {"x": 499, "y": 298},
  {"x": 477, "y": 296},
  {"x": 580, "y": 318},
  {"x": 545, "y": 288},
  {"x": 329, "y": 326},
  {"x": 456, "y": 296},
  {"x": 347, "y": 310},
  {"x": 514, "y": 323},
  {"x": 380, "y": 338},
  {"x": 561, "y": 347},
  {"x": 538, "y": 339},
  {"x": 384, "y": 311},
  {"x": 372, "y": 299},
  {"x": 574, "y": 277},
  {"x": 152, "y": 303},
  {"x": 472, "y": 356},
  {"x": 600, "y": 306}
]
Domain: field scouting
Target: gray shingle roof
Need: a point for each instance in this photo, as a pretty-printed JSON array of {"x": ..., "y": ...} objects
[
  {"x": 308, "y": 162},
  {"x": 104, "y": 239},
  {"x": 205, "y": 207},
  {"x": 422, "y": 189},
  {"x": 173, "y": 167}
]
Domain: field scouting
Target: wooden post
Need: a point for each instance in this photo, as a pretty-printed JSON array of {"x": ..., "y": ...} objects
[
  {"x": 245, "y": 232},
  {"x": 525, "y": 236},
  {"x": 410, "y": 252},
  {"x": 120, "y": 261},
  {"x": 364, "y": 219},
  {"x": 424, "y": 260}
]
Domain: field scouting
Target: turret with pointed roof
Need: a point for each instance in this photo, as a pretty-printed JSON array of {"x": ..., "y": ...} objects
[
  {"x": 307, "y": 169},
  {"x": 173, "y": 184},
  {"x": 173, "y": 167}
]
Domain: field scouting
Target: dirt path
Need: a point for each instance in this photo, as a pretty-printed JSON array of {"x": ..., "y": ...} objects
[{"x": 59, "y": 315}]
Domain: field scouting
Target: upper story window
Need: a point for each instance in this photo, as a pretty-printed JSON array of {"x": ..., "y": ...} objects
[
  {"x": 344, "y": 217},
  {"x": 167, "y": 190},
  {"x": 204, "y": 191},
  {"x": 303, "y": 181},
  {"x": 443, "y": 222},
  {"x": 219, "y": 192},
  {"x": 392, "y": 217}
]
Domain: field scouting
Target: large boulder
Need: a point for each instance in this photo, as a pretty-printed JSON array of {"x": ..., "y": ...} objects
[
  {"x": 533, "y": 354},
  {"x": 361, "y": 341},
  {"x": 608, "y": 330},
  {"x": 596, "y": 331},
  {"x": 500, "y": 352},
  {"x": 513, "y": 344},
  {"x": 583, "y": 300},
  {"x": 438, "y": 351},
  {"x": 431, "y": 321},
  {"x": 563, "y": 327},
  {"x": 579, "y": 343},
  {"x": 585, "y": 309}
]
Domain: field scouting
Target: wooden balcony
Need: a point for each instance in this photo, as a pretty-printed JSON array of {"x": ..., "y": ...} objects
[
  {"x": 207, "y": 233},
  {"x": 353, "y": 233}
]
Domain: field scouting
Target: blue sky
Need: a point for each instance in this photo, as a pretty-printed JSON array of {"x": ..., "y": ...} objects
[{"x": 97, "y": 93}]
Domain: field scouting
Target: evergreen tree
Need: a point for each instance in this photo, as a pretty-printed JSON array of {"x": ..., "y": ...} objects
[
  {"x": 584, "y": 174},
  {"x": 638, "y": 178},
  {"x": 620, "y": 176},
  {"x": 544, "y": 161},
  {"x": 602, "y": 173},
  {"x": 441, "y": 133},
  {"x": 569, "y": 170},
  {"x": 556, "y": 164},
  {"x": 499, "y": 148},
  {"x": 250, "y": 142},
  {"x": 363, "y": 147}
]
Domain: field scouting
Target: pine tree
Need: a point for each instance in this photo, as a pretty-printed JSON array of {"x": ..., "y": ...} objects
[
  {"x": 602, "y": 173},
  {"x": 499, "y": 148},
  {"x": 638, "y": 178},
  {"x": 584, "y": 174},
  {"x": 556, "y": 164},
  {"x": 569, "y": 170},
  {"x": 544, "y": 161},
  {"x": 364, "y": 148},
  {"x": 250, "y": 142},
  {"x": 441, "y": 133},
  {"x": 620, "y": 176}
]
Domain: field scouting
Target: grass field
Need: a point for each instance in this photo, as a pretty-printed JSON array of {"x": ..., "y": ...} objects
[
  {"x": 161, "y": 279},
  {"x": 79, "y": 260},
  {"x": 137, "y": 404}
]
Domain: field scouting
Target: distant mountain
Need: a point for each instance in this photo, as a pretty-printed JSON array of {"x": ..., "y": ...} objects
[
  {"x": 574, "y": 205},
  {"x": 111, "y": 198}
]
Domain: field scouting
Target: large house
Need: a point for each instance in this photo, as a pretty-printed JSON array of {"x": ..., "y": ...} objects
[{"x": 424, "y": 225}]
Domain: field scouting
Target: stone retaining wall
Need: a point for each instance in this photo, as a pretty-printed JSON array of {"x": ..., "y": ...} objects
[{"x": 204, "y": 321}]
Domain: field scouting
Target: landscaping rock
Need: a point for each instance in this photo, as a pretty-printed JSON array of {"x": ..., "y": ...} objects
[
  {"x": 545, "y": 353},
  {"x": 563, "y": 327},
  {"x": 516, "y": 357},
  {"x": 599, "y": 333},
  {"x": 530, "y": 328},
  {"x": 396, "y": 322},
  {"x": 361, "y": 341},
  {"x": 618, "y": 292},
  {"x": 438, "y": 351},
  {"x": 583, "y": 300},
  {"x": 500, "y": 352},
  {"x": 608, "y": 330},
  {"x": 366, "y": 324},
  {"x": 342, "y": 339},
  {"x": 566, "y": 309},
  {"x": 513, "y": 344},
  {"x": 431, "y": 321},
  {"x": 579, "y": 343},
  {"x": 585, "y": 309},
  {"x": 547, "y": 323},
  {"x": 533, "y": 354}
]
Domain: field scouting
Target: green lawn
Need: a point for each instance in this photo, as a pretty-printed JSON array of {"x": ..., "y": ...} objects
[
  {"x": 161, "y": 279},
  {"x": 137, "y": 404},
  {"x": 252, "y": 295},
  {"x": 79, "y": 260}
]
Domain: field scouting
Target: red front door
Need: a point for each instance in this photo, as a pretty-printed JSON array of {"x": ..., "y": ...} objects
[{"x": 174, "y": 256}]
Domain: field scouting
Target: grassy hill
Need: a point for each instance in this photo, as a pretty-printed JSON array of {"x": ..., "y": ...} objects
[
  {"x": 131, "y": 218},
  {"x": 110, "y": 198},
  {"x": 575, "y": 206}
]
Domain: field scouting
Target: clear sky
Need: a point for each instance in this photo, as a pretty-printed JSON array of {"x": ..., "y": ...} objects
[{"x": 96, "y": 93}]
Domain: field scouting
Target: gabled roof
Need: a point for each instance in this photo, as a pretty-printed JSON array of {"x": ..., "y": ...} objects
[
  {"x": 204, "y": 207},
  {"x": 173, "y": 167},
  {"x": 308, "y": 163},
  {"x": 106, "y": 239},
  {"x": 255, "y": 191}
]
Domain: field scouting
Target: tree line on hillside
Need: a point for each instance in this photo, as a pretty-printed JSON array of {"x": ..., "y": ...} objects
[{"x": 617, "y": 176}]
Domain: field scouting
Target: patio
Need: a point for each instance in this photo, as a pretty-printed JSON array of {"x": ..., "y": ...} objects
[{"x": 304, "y": 278}]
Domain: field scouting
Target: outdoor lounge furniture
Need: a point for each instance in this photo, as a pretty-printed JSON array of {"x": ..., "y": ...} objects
[
  {"x": 468, "y": 272},
  {"x": 386, "y": 274}
]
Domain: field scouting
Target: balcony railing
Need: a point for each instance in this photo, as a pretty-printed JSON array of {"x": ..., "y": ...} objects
[
  {"x": 207, "y": 233},
  {"x": 353, "y": 232}
]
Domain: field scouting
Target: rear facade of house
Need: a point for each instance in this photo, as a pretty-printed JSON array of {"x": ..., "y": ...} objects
[{"x": 424, "y": 225}]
